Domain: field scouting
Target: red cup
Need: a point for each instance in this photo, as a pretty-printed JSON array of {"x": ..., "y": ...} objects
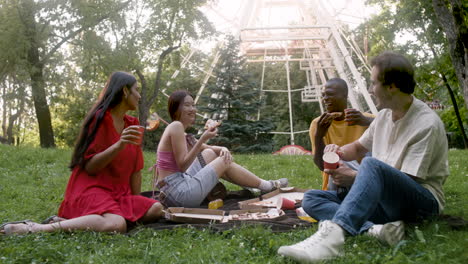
[
  {"x": 140, "y": 136},
  {"x": 287, "y": 204},
  {"x": 330, "y": 160}
]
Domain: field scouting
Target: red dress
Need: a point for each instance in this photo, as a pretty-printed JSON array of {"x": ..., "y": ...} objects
[{"x": 108, "y": 191}]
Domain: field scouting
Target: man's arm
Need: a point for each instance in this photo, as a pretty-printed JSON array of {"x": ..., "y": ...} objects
[
  {"x": 348, "y": 152},
  {"x": 321, "y": 130},
  {"x": 355, "y": 117}
]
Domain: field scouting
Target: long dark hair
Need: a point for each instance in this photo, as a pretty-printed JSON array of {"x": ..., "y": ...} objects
[
  {"x": 110, "y": 97},
  {"x": 175, "y": 100}
]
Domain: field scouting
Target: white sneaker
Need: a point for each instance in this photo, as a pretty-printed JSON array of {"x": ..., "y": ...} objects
[
  {"x": 389, "y": 233},
  {"x": 326, "y": 243},
  {"x": 280, "y": 183}
]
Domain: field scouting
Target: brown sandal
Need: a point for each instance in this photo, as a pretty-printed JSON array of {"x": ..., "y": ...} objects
[{"x": 8, "y": 228}]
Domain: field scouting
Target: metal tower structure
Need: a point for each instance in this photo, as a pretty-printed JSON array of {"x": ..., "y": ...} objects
[{"x": 313, "y": 39}]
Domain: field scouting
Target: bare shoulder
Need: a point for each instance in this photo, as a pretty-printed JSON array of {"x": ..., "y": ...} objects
[{"x": 175, "y": 128}]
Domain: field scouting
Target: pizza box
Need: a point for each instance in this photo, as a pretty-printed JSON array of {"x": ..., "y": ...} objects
[
  {"x": 255, "y": 214},
  {"x": 195, "y": 215},
  {"x": 272, "y": 199}
]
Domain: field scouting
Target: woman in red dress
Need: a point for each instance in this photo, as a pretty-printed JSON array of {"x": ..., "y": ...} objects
[{"x": 103, "y": 191}]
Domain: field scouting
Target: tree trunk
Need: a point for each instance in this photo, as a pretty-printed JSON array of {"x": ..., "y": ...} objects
[
  {"x": 454, "y": 24},
  {"x": 146, "y": 99},
  {"x": 36, "y": 68},
  {"x": 143, "y": 106},
  {"x": 41, "y": 106}
]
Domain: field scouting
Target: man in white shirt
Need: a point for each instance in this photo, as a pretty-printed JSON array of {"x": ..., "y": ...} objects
[{"x": 401, "y": 181}]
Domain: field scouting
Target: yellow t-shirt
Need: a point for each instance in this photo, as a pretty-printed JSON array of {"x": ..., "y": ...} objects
[{"x": 338, "y": 133}]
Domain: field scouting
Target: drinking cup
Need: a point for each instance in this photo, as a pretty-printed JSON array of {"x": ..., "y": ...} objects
[{"x": 330, "y": 160}]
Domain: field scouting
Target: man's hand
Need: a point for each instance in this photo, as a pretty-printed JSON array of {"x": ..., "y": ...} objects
[
  {"x": 323, "y": 124},
  {"x": 355, "y": 117},
  {"x": 333, "y": 148},
  {"x": 343, "y": 176}
]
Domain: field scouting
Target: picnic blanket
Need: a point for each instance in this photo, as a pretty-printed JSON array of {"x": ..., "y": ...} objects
[{"x": 284, "y": 224}]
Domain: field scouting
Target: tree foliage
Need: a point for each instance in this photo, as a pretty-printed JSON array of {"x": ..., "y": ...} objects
[
  {"x": 235, "y": 99},
  {"x": 408, "y": 27}
]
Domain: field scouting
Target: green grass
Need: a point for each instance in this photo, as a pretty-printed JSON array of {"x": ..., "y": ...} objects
[{"x": 33, "y": 181}]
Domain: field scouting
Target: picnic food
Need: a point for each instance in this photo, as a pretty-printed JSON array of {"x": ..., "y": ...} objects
[
  {"x": 335, "y": 115},
  {"x": 211, "y": 124},
  {"x": 152, "y": 123},
  {"x": 272, "y": 213},
  {"x": 215, "y": 204}
]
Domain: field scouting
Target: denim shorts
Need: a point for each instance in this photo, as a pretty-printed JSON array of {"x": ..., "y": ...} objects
[{"x": 189, "y": 189}]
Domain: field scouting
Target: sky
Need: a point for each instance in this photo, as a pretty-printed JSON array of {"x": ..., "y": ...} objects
[{"x": 226, "y": 15}]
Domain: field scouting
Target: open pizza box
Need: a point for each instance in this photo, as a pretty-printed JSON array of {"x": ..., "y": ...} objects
[
  {"x": 274, "y": 199},
  {"x": 195, "y": 215},
  {"x": 256, "y": 214}
]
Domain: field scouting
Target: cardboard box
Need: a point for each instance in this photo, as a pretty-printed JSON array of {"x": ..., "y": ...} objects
[
  {"x": 255, "y": 214},
  {"x": 292, "y": 193},
  {"x": 195, "y": 215}
]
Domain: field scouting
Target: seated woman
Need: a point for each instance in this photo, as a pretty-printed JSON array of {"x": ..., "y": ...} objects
[
  {"x": 183, "y": 179},
  {"x": 103, "y": 191}
]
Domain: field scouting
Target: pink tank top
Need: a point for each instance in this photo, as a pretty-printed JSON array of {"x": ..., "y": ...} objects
[{"x": 166, "y": 161}]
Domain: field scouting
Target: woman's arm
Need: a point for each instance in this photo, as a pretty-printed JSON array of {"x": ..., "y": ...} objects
[
  {"x": 220, "y": 151},
  {"x": 102, "y": 159},
  {"x": 182, "y": 156},
  {"x": 135, "y": 183}
]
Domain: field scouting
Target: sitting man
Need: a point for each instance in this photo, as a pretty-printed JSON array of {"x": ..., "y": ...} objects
[
  {"x": 334, "y": 127},
  {"x": 401, "y": 181}
]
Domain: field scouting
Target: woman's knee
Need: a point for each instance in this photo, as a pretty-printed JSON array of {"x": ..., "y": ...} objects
[
  {"x": 209, "y": 155},
  {"x": 114, "y": 223},
  {"x": 156, "y": 211}
]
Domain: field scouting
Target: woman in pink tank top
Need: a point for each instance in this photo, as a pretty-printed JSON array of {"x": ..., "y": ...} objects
[{"x": 182, "y": 177}]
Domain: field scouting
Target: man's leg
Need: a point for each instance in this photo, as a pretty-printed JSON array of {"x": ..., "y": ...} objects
[{"x": 382, "y": 194}]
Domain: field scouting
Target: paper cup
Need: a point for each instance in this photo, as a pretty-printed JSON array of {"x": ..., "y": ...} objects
[
  {"x": 140, "y": 136},
  {"x": 330, "y": 160},
  {"x": 287, "y": 204}
]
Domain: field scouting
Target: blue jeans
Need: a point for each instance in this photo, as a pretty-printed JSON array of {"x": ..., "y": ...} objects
[{"x": 380, "y": 194}]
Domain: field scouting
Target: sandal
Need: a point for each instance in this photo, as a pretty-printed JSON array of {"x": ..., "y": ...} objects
[
  {"x": 9, "y": 230},
  {"x": 2, "y": 226}
]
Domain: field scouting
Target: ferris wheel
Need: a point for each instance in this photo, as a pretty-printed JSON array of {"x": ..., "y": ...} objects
[{"x": 311, "y": 38}]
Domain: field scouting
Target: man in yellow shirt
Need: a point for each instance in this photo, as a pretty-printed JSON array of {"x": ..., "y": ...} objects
[{"x": 334, "y": 126}]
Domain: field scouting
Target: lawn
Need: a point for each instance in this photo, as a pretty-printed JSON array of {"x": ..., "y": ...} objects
[{"x": 33, "y": 181}]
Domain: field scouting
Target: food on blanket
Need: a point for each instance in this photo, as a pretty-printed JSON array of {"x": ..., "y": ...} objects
[
  {"x": 304, "y": 216},
  {"x": 211, "y": 124},
  {"x": 272, "y": 213},
  {"x": 265, "y": 203},
  {"x": 215, "y": 204}
]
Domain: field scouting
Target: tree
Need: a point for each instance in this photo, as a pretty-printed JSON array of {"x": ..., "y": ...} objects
[
  {"x": 452, "y": 16},
  {"x": 235, "y": 100},
  {"x": 142, "y": 42},
  {"x": 41, "y": 29},
  {"x": 427, "y": 48}
]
